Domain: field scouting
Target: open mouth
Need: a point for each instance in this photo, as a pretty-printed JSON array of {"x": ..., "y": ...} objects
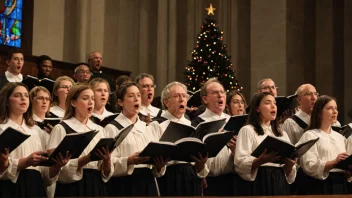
[
  {"x": 136, "y": 106},
  {"x": 150, "y": 96},
  {"x": 182, "y": 107},
  {"x": 273, "y": 113},
  {"x": 221, "y": 102},
  {"x": 90, "y": 109}
]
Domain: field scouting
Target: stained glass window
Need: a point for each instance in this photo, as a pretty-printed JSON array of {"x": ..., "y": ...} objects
[{"x": 11, "y": 22}]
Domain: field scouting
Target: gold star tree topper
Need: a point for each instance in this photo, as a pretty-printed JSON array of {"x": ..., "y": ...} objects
[{"x": 210, "y": 10}]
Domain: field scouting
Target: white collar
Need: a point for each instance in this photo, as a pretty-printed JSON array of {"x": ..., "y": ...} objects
[
  {"x": 208, "y": 115},
  {"x": 79, "y": 126},
  {"x": 105, "y": 114},
  {"x": 166, "y": 114},
  {"x": 23, "y": 127},
  {"x": 36, "y": 118},
  {"x": 13, "y": 78},
  {"x": 57, "y": 111},
  {"x": 153, "y": 111},
  {"x": 267, "y": 129},
  {"x": 303, "y": 116},
  {"x": 125, "y": 122}
]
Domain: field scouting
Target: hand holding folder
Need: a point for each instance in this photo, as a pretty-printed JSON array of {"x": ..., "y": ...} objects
[
  {"x": 282, "y": 148},
  {"x": 180, "y": 142},
  {"x": 110, "y": 143},
  {"x": 73, "y": 143},
  {"x": 49, "y": 123}
]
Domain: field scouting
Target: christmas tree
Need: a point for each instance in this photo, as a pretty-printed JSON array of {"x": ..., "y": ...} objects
[{"x": 210, "y": 58}]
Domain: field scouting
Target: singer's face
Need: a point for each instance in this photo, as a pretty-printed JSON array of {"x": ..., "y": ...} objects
[
  {"x": 84, "y": 104},
  {"x": 131, "y": 103},
  {"x": 41, "y": 102},
  {"x": 19, "y": 100},
  {"x": 215, "y": 99},
  {"x": 46, "y": 67},
  {"x": 267, "y": 108},
  {"x": 147, "y": 90},
  {"x": 329, "y": 113},
  {"x": 63, "y": 90},
  {"x": 269, "y": 86},
  {"x": 101, "y": 93},
  {"x": 16, "y": 63},
  {"x": 307, "y": 99},
  {"x": 177, "y": 102},
  {"x": 236, "y": 105},
  {"x": 95, "y": 61}
]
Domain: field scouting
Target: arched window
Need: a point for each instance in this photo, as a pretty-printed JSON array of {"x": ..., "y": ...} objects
[{"x": 16, "y": 25}]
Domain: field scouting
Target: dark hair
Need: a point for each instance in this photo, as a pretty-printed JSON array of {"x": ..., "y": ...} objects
[
  {"x": 229, "y": 98},
  {"x": 123, "y": 78},
  {"x": 5, "y": 94},
  {"x": 254, "y": 116},
  {"x": 121, "y": 91},
  {"x": 12, "y": 52},
  {"x": 42, "y": 58},
  {"x": 315, "y": 120}
]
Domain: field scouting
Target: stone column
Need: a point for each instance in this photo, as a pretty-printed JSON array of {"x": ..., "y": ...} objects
[{"x": 268, "y": 43}]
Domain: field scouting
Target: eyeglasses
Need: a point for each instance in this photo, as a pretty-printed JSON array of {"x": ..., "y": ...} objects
[
  {"x": 273, "y": 87},
  {"x": 148, "y": 86},
  {"x": 237, "y": 102},
  {"x": 66, "y": 86},
  {"x": 41, "y": 98},
  {"x": 179, "y": 95},
  {"x": 83, "y": 72},
  {"x": 219, "y": 92},
  {"x": 310, "y": 94}
]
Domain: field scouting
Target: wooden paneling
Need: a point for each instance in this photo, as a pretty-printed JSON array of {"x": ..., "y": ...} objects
[{"x": 59, "y": 68}]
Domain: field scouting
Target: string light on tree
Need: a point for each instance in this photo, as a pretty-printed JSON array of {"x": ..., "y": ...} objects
[{"x": 214, "y": 60}]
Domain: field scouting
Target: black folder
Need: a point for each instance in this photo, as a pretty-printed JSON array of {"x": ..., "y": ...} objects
[
  {"x": 51, "y": 121},
  {"x": 345, "y": 163},
  {"x": 283, "y": 148},
  {"x": 104, "y": 121},
  {"x": 74, "y": 143},
  {"x": 182, "y": 149},
  {"x": 176, "y": 131},
  {"x": 284, "y": 103},
  {"x": 345, "y": 130},
  {"x": 111, "y": 143},
  {"x": 11, "y": 138},
  {"x": 235, "y": 123},
  {"x": 31, "y": 82},
  {"x": 195, "y": 100}
]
